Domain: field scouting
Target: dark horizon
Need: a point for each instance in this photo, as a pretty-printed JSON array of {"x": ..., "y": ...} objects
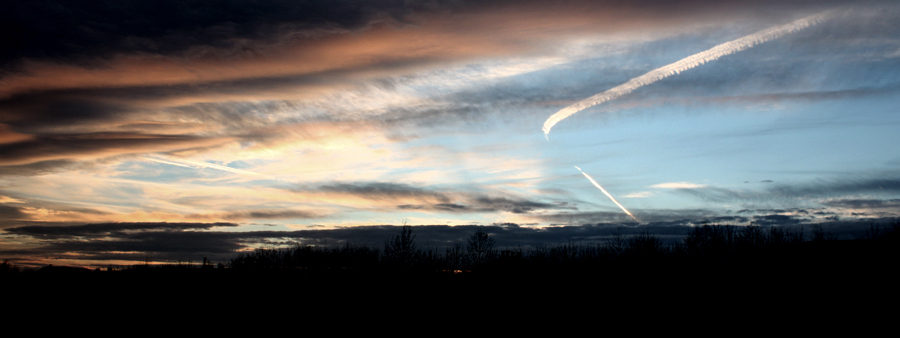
[{"x": 181, "y": 244}]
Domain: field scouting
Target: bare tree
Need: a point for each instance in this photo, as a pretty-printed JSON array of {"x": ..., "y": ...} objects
[
  {"x": 401, "y": 250},
  {"x": 616, "y": 243},
  {"x": 480, "y": 248}
]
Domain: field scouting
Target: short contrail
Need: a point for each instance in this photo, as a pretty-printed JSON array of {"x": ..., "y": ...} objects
[
  {"x": 189, "y": 163},
  {"x": 607, "y": 194},
  {"x": 689, "y": 62}
]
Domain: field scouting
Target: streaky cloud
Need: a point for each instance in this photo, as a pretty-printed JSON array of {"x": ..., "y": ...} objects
[
  {"x": 689, "y": 62},
  {"x": 105, "y": 229}
]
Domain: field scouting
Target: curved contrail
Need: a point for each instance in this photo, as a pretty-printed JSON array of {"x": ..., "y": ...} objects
[{"x": 689, "y": 62}]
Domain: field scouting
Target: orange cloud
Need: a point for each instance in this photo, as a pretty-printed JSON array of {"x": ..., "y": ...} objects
[
  {"x": 9, "y": 136},
  {"x": 434, "y": 38}
]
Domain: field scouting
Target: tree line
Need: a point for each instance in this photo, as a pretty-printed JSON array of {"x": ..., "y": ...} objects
[{"x": 703, "y": 245}]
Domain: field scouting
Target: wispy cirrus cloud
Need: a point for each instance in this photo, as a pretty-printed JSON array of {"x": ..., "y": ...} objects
[
  {"x": 96, "y": 145},
  {"x": 825, "y": 192}
]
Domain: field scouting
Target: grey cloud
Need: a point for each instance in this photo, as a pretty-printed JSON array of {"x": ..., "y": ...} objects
[
  {"x": 84, "y": 30},
  {"x": 167, "y": 242},
  {"x": 381, "y": 190},
  {"x": 486, "y": 205},
  {"x": 864, "y": 203},
  {"x": 450, "y": 201},
  {"x": 62, "y": 147},
  {"x": 775, "y": 220},
  {"x": 27, "y": 112},
  {"x": 87, "y": 109},
  {"x": 584, "y": 217},
  {"x": 514, "y": 206},
  {"x": 868, "y": 207},
  {"x": 37, "y": 168},
  {"x": 685, "y": 217},
  {"x": 821, "y": 189},
  {"x": 40, "y": 111},
  {"x": 271, "y": 214},
  {"x": 882, "y": 185},
  {"x": 10, "y": 213},
  {"x": 107, "y": 229},
  {"x": 450, "y": 207}
]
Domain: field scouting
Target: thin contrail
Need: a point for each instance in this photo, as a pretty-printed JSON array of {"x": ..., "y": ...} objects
[
  {"x": 689, "y": 62},
  {"x": 189, "y": 163},
  {"x": 607, "y": 194}
]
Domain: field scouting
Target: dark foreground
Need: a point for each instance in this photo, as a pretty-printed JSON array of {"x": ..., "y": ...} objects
[{"x": 715, "y": 267}]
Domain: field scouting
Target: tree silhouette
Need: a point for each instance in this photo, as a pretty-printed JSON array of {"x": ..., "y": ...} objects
[
  {"x": 480, "y": 248},
  {"x": 401, "y": 250}
]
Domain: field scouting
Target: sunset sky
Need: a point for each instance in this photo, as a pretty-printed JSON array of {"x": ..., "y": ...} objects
[{"x": 172, "y": 130}]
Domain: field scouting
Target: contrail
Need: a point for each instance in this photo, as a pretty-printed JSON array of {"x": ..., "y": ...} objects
[
  {"x": 189, "y": 163},
  {"x": 167, "y": 162},
  {"x": 689, "y": 62},
  {"x": 607, "y": 194}
]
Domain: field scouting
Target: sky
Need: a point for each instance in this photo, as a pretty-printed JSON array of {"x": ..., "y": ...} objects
[{"x": 173, "y": 130}]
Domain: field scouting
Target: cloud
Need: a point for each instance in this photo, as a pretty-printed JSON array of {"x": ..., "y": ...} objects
[
  {"x": 484, "y": 204},
  {"x": 864, "y": 203},
  {"x": 9, "y": 136},
  {"x": 8, "y": 212},
  {"x": 894, "y": 54},
  {"x": 107, "y": 229},
  {"x": 193, "y": 95},
  {"x": 840, "y": 186},
  {"x": 678, "y": 185},
  {"x": 647, "y": 217},
  {"x": 101, "y": 45},
  {"x": 864, "y": 208},
  {"x": 100, "y": 29},
  {"x": 775, "y": 220},
  {"x": 185, "y": 243},
  {"x": 512, "y": 205},
  {"x": 95, "y": 145},
  {"x": 38, "y": 168},
  {"x": 7, "y": 199},
  {"x": 802, "y": 193},
  {"x": 381, "y": 190},
  {"x": 408, "y": 197},
  {"x": 269, "y": 214}
]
